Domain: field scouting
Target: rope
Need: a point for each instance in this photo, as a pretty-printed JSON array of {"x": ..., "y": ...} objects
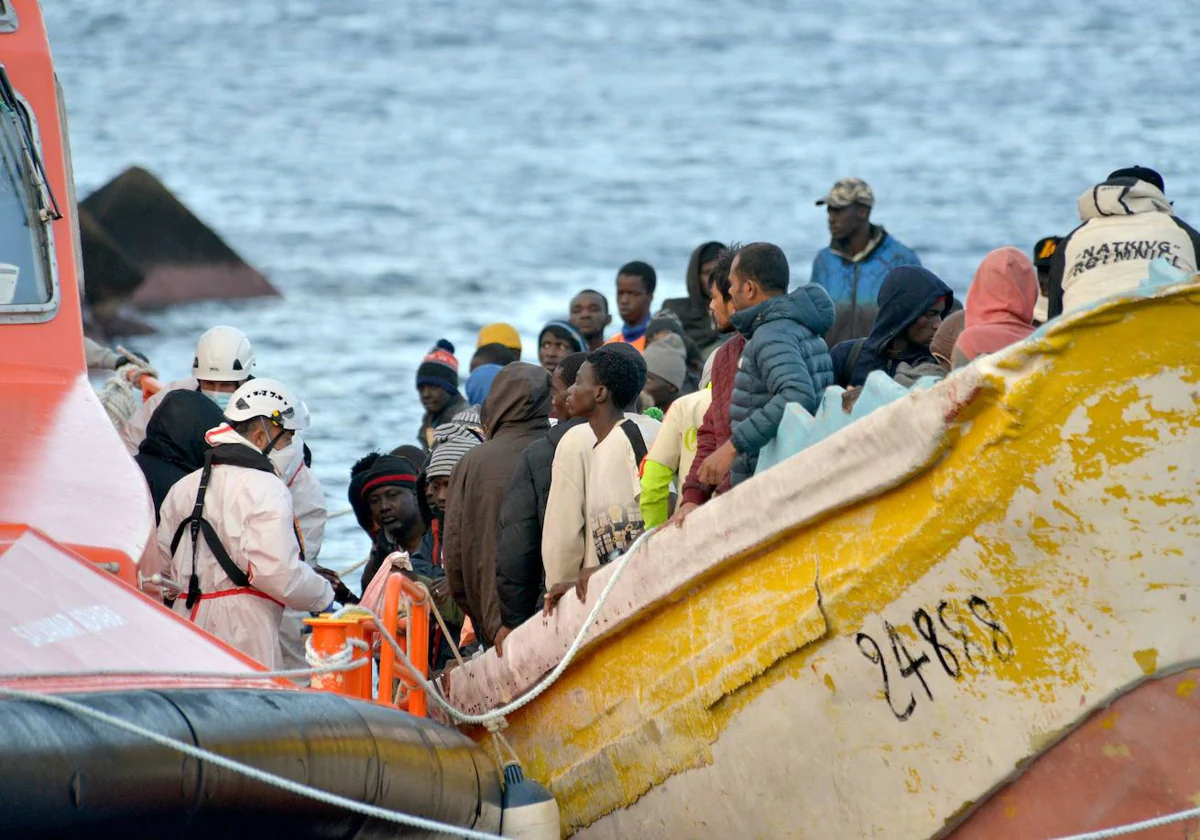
[
  {"x": 296, "y": 788},
  {"x": 336, "y": 514},
  {"x": 437, "y": 614},
  {"x": 356, "y": 566},
  {"x": 547, "y": 681},
  {"x": 341, "y": 658},
  {"x": 1133, "y": 828},
  {"x": 341, "y": 661}
]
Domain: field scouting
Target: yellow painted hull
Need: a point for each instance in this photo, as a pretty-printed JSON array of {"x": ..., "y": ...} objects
[{"x": 870, "y": 638}]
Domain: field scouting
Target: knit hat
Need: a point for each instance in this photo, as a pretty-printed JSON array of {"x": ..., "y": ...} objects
[
  {"x": 439, "y": 368},
  {"x": 451, "y": 441},
  {"x": 667, "y": 360},
  {"x": 500, "y": 333},
  {"x": 567, "y": 332},
  {"x": 373, "y": 471},
  {"x": 480, "y": 382}
]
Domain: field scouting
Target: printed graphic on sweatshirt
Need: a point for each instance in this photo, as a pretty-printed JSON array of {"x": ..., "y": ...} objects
[
  {"x": 615, "y": 529},
  {"x": 1115, "y": 252}
]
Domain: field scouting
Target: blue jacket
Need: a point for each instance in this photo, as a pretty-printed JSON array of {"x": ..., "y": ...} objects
[
  {"x": 854, "y": 286},
  {"x": 785, "y": 361},
  {"x": 907, "y": 294}
]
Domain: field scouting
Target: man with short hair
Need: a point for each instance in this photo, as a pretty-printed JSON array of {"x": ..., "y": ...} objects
[
  {"x": 785, "y": 359},
  {"x": 607, "y": 382},
  {"x": 636, "y": 282},
  {"x": 228, "y": 532},
  {"x": 589, "y": 314},
  {"x": 856, "y": 261}
]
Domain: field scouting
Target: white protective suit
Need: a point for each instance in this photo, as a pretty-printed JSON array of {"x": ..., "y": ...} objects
[
  {"x": 251, "y": 512},
  {"x": 134, "y": 430},
  {"x": 308, "y": 501}
]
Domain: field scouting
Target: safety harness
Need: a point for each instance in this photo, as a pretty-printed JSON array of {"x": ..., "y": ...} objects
[{"x": 232, "y": 454}]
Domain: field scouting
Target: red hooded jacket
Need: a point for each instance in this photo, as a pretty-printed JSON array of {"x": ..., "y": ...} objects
[{"x": 716, "y": 428}]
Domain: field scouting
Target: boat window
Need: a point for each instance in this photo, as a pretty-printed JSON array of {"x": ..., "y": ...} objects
[
  {"x": 27, "y": 287},
  {"x": 8, "y": 17}
]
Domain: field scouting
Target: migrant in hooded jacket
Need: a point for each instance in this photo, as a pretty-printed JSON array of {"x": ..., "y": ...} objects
[
  {"x": 174, "y": 444},
  {"x": 1127, "y": 222},
  {"x": 910, "y": 299},
  {"x": 785, "y": 360},
  {"x": 516, "y": 413},
  {"x": 693, "y": 309}
]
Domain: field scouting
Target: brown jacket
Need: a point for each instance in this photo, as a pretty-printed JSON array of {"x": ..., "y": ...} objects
[{"x": 516, "y": 414}]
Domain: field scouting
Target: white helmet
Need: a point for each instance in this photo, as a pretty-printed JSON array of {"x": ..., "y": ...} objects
[
  {"x": 267, "y": 398},
  {"x": 223, "y": 354}
]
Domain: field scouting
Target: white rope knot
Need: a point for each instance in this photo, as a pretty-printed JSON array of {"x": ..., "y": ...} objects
[
  {"x": 339, "y": 661},
  {"x": 496, "y": 725}
]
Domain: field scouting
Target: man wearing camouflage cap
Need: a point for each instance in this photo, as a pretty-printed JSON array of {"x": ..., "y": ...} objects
[{"x": 858, "y": 258}]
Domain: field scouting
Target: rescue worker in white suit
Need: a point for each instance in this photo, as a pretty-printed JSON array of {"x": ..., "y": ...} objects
[{"x": 228, "y": 532}]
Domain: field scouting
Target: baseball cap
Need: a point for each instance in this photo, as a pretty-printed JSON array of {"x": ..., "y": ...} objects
[
  {"x": 849, "y": 191},
  {"x": 1044, "y": 250}
]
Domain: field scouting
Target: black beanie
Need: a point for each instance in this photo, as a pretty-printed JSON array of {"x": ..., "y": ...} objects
[
  {"x": 439, "y": 367},
  {"x": 374, "y": 471},
  {"x": 1141, "y": 173}
]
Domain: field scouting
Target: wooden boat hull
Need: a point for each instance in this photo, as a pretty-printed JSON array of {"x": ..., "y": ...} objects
[{"x": 873, "y": 637}]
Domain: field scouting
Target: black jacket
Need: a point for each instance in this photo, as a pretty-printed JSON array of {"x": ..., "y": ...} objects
[
  {"x": 520, "y": 576},
  {"x": 174, "y": 444},
  {"x": 905, "y": 296}
]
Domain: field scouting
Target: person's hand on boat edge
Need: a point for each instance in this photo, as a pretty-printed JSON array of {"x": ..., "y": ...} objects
[
  {"x": 498, "y": 642},
  {"x": 554, "y": 595},
  {"x": 850, "y": 397},
  {"x": 682, "y": 513},
  {"x": 582, "y": 584}
]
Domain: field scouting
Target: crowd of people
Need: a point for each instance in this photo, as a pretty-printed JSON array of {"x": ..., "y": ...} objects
[{"x": 525, "y": 477}]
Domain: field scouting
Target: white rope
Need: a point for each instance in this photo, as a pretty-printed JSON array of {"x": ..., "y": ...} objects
[
  {"x": 339, "y": 513},
  {"x": 344, "y": 662},
  {"x": 356, "y": 566},
  {"x": 1133, "y": 828},
  {"x": 547, "y": 681},
  {"x": 398, "y": 817},
  {"x": 341, "y": 658}
]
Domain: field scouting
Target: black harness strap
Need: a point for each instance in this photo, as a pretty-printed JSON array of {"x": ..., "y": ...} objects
[{"x": 636, "y": 440}]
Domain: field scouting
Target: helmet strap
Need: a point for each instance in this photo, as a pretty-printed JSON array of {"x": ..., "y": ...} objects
[{"x": 274, "y": 440}]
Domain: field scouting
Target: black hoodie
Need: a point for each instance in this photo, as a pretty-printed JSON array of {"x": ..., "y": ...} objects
[
  {"x": 693, "y": 309},
  {"x": 906, "y": 294},
  {"x": 174, "y": 444}
]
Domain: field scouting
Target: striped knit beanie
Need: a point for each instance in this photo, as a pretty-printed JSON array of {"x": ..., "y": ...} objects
[
  {"x": 451, "y": 441},
  {"x": 375, "y": 470},
  {"x": 439, "y": 367}
]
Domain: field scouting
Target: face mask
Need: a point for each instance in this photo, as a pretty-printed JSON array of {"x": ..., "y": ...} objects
[
  {"x": 221, "y": 398},
  {"x": 287, "y": 459}
]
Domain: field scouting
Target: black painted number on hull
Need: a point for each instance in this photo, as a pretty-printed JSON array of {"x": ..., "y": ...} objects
[{"x": 956, "y": 628}]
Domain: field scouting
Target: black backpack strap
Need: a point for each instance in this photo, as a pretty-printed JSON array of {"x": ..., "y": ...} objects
[
  {"x": 198, "y": 525},
  {"x": 852, "y": 360},
  {"x": 636, "y": 440}
]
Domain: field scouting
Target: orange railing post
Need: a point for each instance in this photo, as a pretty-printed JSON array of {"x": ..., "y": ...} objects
[
  {"x": 415, "y": 627},
  {"x": 329, "y": 637}
]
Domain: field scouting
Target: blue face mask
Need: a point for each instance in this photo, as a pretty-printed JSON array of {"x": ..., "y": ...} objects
[{"x": 221, "y": 398}]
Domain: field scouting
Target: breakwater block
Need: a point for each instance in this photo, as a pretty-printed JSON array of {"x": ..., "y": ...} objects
[
  {"x": 108, "y": 274},
  {"x": 180, "y": 257}
]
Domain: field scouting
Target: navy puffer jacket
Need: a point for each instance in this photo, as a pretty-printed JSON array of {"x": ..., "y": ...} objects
[{"x": 785, "y": 361}]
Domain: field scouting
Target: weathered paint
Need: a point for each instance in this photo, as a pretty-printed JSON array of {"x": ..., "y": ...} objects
[{"x": 734, "y": 684}]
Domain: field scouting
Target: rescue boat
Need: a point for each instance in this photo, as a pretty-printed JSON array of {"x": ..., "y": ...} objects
[
  {"x": 971, "y": 612},
  {"x": 117, "y": 717}
]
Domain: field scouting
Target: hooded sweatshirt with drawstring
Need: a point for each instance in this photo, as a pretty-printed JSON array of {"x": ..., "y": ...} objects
[
  {"x": 1000, "y": 305},
  {"x": 907, "y": 294},
  {"x": 1126, "y": 223},
  {"x": 785, "y": 361},
  {"x": 251, "y": 511},
  {"x": 516, "y": 413},
  {"x": 693, "y": 309}
]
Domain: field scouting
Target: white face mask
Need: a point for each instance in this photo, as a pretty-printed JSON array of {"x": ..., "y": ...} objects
[
  {"x": 288, "y": 459},
  {"x": 221, "y": 398}
]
